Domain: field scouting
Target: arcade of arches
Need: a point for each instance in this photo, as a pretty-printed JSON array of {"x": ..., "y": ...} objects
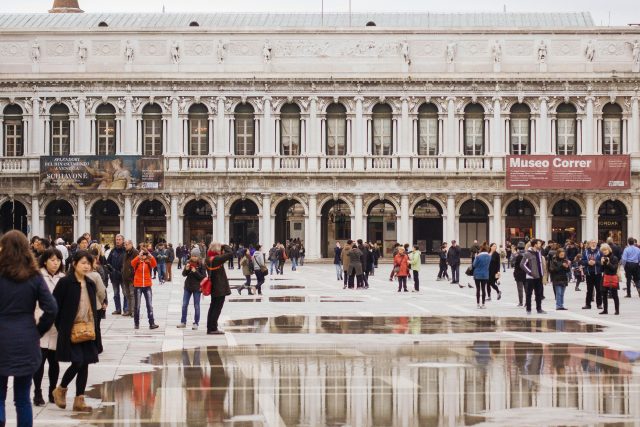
[{"x": 425, "y": 221}]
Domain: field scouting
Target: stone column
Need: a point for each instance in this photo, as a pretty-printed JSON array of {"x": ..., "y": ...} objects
[
  {"x": 267, "y": 235},
  {"x": 35, "y": 132},
  {"x": 35, "y": 217},
  {"x": 588, "y": 142},
  {"x": 359, "y": 142},
  {"x": 497, "y": 141},
  {"x": 356, "y": 229},
  {"x": 496, "y": 226},
  {"x": 176, "y": 131},
  {"x": 543, "y": 145},
  {"x": 590, "y": 216},
  {"x": 220, "y": 212},
  {"x": 81, "y": 215},
  {"x": 635, "y": 215},
  {"x": 634, "y": 143},
  {"x": 450, "y": 233},
  {"x": 543, "y": 231},
  {"x": 314, "y": 135},
  {"x": 405, "y": 140},
  {"x": 404, "y": 219},
  {"x": 450, "y": 146},
  {"x": 128, "y": 145},
  {"x": 313, "y": 245},
  {"x": 173, "y": 232},
  {"x": 128, "y": 217},
  {"x": 82, "y": 141}
]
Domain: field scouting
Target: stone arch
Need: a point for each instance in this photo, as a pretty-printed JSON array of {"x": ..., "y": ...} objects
[
  {"x": 72, "y": 111},
  {"x": 526, "y": 101},
  {"x": 26, "y": 201},
  {"x": 275, "y": 202},
  {"x": 571, "y": 102},
  {"x": 97, "y": 105},
  {"x": 369, "y": 109},
  {"x": 48, "y": 200},
  {"x": 480, "y": 198},
  {"x": 331, "y": 102},
  {"x": 143, "y": 105},
  {"x": 141, "y": 200},
  {"x": 229, "y": 204},
  {"x": 581, "y": 204},
  {"x": 323, "y": 201},
  {"x": 95, "y": 200},
  {"x": 392, "y": 199},
  {"x": 182, "y": 206},
  {"x": 439, "y": 105},
  {"x": 296, "y": 101},
  {"x": 506, "y": 202},
  {"x": 419, "y": 200},
  {"x": 256, "y": 107},
  {"x": 624, "y": 199}
]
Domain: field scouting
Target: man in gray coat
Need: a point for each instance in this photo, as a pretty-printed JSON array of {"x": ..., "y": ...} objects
[{"x": 534, "y": 269}]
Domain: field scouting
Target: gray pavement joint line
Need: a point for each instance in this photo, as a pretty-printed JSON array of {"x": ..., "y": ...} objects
[
  {"x": 424, "y": 310},
  {"x": 524, "y": 337}
]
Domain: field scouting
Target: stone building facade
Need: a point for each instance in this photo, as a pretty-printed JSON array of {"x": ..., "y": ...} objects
[{"x": 383, "y": 126}]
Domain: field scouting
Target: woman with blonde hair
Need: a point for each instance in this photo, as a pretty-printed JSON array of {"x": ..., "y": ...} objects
[{"x": 610, "y": 281}]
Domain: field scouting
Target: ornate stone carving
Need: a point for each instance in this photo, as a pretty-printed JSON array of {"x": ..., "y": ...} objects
[
  {"x": 451, "y": 52},
  {"x": 175, "y": 52},
  {"x": 105, "y": 48},
  {"x": 59, "y": 48},
  {"x": 129, "y": 52},
  {"x": 220, "y": 51},
  {"x": 565, "y": 47},
  {"x": 610, "y": 48},
  {"x": 35, "y": 52},
  {"x": 518, "y": 47},
  {"x": 82, "y": 52},
  {"x": 590, "y": 51},
  {"x": 198, "y": 48},
  {"x": 404, "y": 51},
  {"x": 267, "y": 52},
  {"x": 542, "y": 52},
  {"x": 153, "y": 47},
  {"x": 428, "y": 48}
]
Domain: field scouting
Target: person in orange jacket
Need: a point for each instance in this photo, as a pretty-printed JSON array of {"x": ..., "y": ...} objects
[
  {"x": 143, "y": 266},
  {"x": 401, "y": 268}
]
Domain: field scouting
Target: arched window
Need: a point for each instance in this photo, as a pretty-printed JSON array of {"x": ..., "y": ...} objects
[
  {"x": 520, "y": 129},
  {"x": 198, "y": 130},
  {"x": 13, "y": 131},
  {"x": 152, "y": 129},
  {"x": 60, "y": 130},
  {"x": 382, "y": 135},
  {"x": 336, "y": 130},
  {"x": 245, "y": 130},
  {"x": 428, "y": 130},
  {"x": 566, "y": 129},
  {"x": 612, "y": 129},
  {"x": 290, "y": 130},
  {"x": 474, "y": 130},
  {"x": 106, "y": 130}
]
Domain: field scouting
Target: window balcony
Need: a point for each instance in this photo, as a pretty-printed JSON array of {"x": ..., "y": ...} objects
[
  {"x": 196, "y": 163},
  {"x": 425, "y": 163},
  {"x": 290, "y": 162},
  {"x": 243, "y": 162},
  {"x": 382, "y": 163},
  {"x": 9, "y": 165},
  {"x": 337, "y": 162},
  {"x": 476, "y": 163}
]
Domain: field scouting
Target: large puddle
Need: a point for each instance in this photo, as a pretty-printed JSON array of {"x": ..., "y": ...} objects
[
  {"x": 459, "y": 383},
  {"x": 293, "y": 298},
  {"x": 298, "y": 324}
]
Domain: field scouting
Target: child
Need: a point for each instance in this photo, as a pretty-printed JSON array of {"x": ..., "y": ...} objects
[
  {"x": 247, "y": 270},
  {"x": 577, "y": 271},
  {"x": 194, "y": 272}
]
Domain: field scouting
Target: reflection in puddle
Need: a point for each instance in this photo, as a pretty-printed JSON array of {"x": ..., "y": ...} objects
[
  {"x": 430, "y": 384},
  {"x": 286, "y": 287},
  {"x": 403, "y": 325},
  {"x": 292, "y": 298}
]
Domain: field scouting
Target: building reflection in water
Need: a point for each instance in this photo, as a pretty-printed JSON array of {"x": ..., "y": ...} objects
[{"x": 428, "y": 384}]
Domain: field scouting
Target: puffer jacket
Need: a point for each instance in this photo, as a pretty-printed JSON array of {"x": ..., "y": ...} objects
[
  {"x": 558, "y": 271},
  {"x": 402, "y": 262},
  {"x": 143, "y": 271}
]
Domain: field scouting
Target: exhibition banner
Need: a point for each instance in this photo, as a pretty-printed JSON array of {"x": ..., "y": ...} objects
[
  {"x": 598, "y": 172},
  {"x": 109, "y": 173}
]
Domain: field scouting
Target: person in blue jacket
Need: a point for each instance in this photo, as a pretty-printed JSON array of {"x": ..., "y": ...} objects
[{"x": 481, "y": 273}]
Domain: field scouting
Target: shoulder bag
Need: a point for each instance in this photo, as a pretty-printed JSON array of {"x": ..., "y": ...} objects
[
  {"x": 610, "y": 281},
  {"x": 84, "y": 331}
]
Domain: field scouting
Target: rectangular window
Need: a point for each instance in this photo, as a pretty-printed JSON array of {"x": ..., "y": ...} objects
[
  {"x": 382, "y": 137},
  {"x": 60, "y": 140},
  {"x": 199, "y": 137},
  {"x": 428, "y": 144},
  {"x": 519, "y": 136},
  {"x": 245, "y": 137},
  {"x": 336, "y": 137},
  {"x": 611, "y": 137},
  {"x": 106, "y": 137},
  {"x": 152, "y": 137},
  {"x": 290, "y": 136},
  {"x": 474, "y": 137},
  {"x": 13, "y": 139},
  {"x": 566, "y": 137}
]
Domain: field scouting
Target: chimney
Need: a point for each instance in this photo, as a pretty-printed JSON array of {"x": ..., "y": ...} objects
[{"x": 66, "y": 6}]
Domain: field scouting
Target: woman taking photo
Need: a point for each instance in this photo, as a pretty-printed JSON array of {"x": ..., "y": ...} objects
[
  {"x": 51, "y": 264},
  {"x": 610, "y": 282},
  {"x": 481, "y": 273},
  {"x": 494, "y": 271},
  {"x": 78, "y": 341},
  {"x": 21, "y": 287},
  {"x": 559, "y": 268}
]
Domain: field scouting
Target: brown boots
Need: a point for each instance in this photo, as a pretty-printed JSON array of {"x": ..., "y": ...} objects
[
  {"x": 80, "y": 406},
  {"x": 60, "y": 399}
]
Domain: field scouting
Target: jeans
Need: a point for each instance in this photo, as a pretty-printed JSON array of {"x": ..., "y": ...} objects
[
  {"x": 593, "y": 284},
  {"x": 214, "y": 313},
  {"x": 186, "y": 296},
  {"x": 260, "y": 279},
  {"x": 455, "y": 273},
  {"x": 481, "y": 286},
  {"x": 162, "y": 271},
  {"x": 520, "y": 286},
  {"x": 21, "y": 391},
  {"x": 301, "y": 260},
  {"x": 281, "y": 267},
  {"x": 146, "y": 291},
  {"x": 116, "y": 296},
  {"x": 402, "y": 283},
  {"x": 128, "y": 292},
  {"x": 443, "y": 269},
  {"x": 338, "y": 271},
  {"x": 294, "y": 264},
  {"x": 416, "y": 280},
  {"x": 560, "y": 295},
  {"x": 273, "y": 264},
  {"x": 632, "y": 273},
  {"x": 534, "y": 286}
]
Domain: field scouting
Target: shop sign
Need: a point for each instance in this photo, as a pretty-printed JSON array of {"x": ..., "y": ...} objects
[
  {"x": 108, "y": 173},
  {"x": 568, "y": 172}
]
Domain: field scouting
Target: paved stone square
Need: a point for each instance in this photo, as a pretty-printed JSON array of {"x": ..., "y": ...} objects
[{"x": 321, "y": 355}]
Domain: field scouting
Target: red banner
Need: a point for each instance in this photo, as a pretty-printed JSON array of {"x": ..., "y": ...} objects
[{"x": 568, "y": 172}]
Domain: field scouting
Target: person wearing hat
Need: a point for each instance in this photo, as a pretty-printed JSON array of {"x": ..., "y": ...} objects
[
  {"x": 62, "y": 248},
  {"x": 518, "y": 273},
  {"x": 453, "y": 259}
]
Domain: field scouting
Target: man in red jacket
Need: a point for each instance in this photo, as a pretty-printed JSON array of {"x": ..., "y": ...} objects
[{"x": 143, "y": 266}]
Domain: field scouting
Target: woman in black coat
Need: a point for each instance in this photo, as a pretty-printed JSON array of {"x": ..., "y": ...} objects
[
  {"x": 494, "y": 271},
  {"x": 76, "y": 297},
  {"x": 21, "y": 286},
  {"x": 216, "y": 258}
]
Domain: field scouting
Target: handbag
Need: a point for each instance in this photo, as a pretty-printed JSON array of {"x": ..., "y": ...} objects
[
  {"x": 205, "y": 286},
  {"x": 610, "y": 281},
  {"x": 84, "y": 331},
  {"x": 469, "y": 271}
]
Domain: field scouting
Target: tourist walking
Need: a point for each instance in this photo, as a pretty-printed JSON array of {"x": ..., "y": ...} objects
[
  {"x": 610, "y": 281},
  {"x": 474, "y": 249},
  {"x": 21, "y": 287},
  {"x": 519, "y": 274},
  {"x": 631, "y": 263},
  {"x": 559, "y": 267},
  {"x": 345, "y": 262},
  {"x": 415, "y": 259},
  {"x": 480, "y": 266},
  {"x": 442, "y": 254},
  {"x": 78, "y": 340},
  {"x": 302, "y": 254},
  {"x": 171, "y": 256},
  {"x": 453, "y": 259},
  {"x": 98, "y": 275},
  {"x": 130, "y": 252},
  {"x": 282, "y": 258},
  {"x": 337, "y": 260},
  {"x": 259, "y": 267},
  {"x": 179, "y": 255},
  {"x": 51, "y": 264},
  {"x": 532, "y": 264},
  {"x": 504, "y": 261},
  {"x": 216, "y": 258},
  {"x": 355, "y": 267},
  {"x": 578, "y": 271},
  {"x": 273, "y": 259},
  {"x": 401, "y": 268},
  {"x": 161, "y": 256},
  {"x": 194, "y": 272},
  {"x": 593, "y": 272},
  {"x": 247, "y": 271},
  {"x": 142, "y": 265},
  {"x": 115, "y": 261},
  {"x": 494, "y": 271}
]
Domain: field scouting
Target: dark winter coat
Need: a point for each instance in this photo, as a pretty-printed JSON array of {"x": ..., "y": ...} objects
[
  {"x": 612, "y": 267},
  {"x": 494, "y": 265},
  {"x": 219, "y": 282},
  {"x": 453, "y": 255},
  {"x": 518, "y": 273},
  {"x": 116, "y": 260},
  {"x": 193, "y": 278},
  {"x": 355, "y": 264},
  {"x": 19, "y": 335},
  {"x": 337, "y": 253},
  {"x": 558, "y": 273},
  {"x": 67, "y": 294},
  {"x": 127, "y": 269}
]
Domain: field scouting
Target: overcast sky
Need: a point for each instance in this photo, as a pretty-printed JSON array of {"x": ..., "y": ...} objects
[{"x": 617, "y": 12}]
